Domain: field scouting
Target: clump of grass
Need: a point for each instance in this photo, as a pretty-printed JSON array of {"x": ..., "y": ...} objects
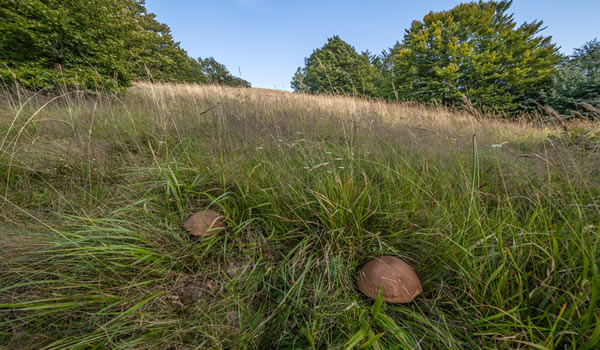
[{"x": 94, "y": 189}]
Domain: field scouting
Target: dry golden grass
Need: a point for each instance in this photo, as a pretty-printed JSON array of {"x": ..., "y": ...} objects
[{"x": 346, "y": 109}]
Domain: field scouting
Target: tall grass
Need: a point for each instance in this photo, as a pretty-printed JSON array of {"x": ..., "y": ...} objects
[{"x": 499, "y": 219}]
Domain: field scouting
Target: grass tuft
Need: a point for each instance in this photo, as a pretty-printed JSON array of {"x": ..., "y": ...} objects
[{"x": 498, "y": 218}]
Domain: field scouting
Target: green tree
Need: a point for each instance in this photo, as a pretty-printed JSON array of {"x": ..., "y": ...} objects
[
  {"x": 78, "y": 42},
  {"x": 478, "y": 51},
  {"x": 385, "y": 65},
  {"x": 217, "y": 73},
  {"x": 154, "y": 53},
  {"x": 577, "y": 81},
  {"x": 337, "y": 68},
  {"x": 298, "y": 81},
  {"x": 95, "y": 43}
]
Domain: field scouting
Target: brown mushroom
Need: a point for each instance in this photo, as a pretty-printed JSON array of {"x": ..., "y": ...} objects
[
  {"x": 204, "y": 223},
  {"x": 398, "y": 282}
]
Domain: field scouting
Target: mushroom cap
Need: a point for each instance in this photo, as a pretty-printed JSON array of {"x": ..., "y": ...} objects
[
  {"x": 399, "y": 282},
  {"x": 204, "y": 223}
]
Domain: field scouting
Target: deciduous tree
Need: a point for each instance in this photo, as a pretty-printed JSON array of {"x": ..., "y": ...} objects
[
  {"x": 476, "y": 50},
  {"x": 217, "y": 73},
  {"x": 337, "y": 68},
  {"x": 77, "y": 42},
  {"x": 91, "y": 44}
]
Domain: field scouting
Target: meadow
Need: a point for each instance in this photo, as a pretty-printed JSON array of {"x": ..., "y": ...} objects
[{"x": 499, "y": 218}]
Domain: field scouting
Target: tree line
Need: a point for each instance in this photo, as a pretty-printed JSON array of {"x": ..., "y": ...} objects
[
  {"x": 94, "y": 44},
  {"x": 473, "y": 53}
]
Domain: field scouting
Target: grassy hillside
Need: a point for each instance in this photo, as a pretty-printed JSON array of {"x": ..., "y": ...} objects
[{"x": 499, "y": 219}]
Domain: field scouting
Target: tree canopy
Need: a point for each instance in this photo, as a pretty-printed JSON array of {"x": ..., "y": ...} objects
[
  {"x": 217, "y": 73},
  {"x": 475, "y": 50},
  {"x": 337, "y": 68},
  {"x": 50, "y": 40},
  {"x": 90, "y": 44},
  {"x": 478, "y": 51}
]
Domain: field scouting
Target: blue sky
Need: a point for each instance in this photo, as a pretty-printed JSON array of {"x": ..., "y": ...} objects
[{"x": 267, "y": 40}]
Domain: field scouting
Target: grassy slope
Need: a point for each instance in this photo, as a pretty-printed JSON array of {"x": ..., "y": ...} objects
[{"x": 94, "y": 191}]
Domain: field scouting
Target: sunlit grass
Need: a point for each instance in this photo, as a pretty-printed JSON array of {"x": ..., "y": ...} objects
[{"x": 499, "y": 219}]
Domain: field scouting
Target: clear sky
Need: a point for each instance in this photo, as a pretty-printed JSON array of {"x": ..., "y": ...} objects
[{"x": 267, "y": 40}]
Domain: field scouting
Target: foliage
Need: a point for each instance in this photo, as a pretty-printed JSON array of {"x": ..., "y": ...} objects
[
  {"x": 217, "y": 73},
  {"x": 577, "y": 80},
  {"x": 385, "y": 64},
  {"x": 78, "y": 42},
  {"x": 90, "y": 44},
  {"x": 475, "y": 50},
  {"x": 154, "y": 54},
  {"x": 338, "y": 69}
]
